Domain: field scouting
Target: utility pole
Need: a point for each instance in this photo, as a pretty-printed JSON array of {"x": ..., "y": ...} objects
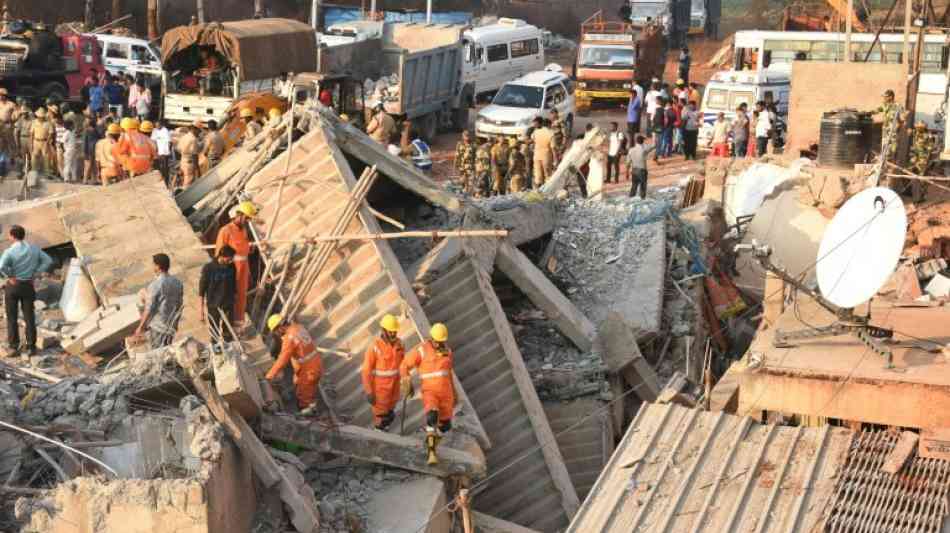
[
  {"x": 201, "y": 11},
  {"x": 151, "y": 16},
  {"x": 913, "y": 84},
  {"x": 116, "y": 9},
  {"x": 258, "y": 8},
  {"x": 89, "y": 18},
  {"x": 315, "y": 14},
  {"x": 428, "y": 11}
]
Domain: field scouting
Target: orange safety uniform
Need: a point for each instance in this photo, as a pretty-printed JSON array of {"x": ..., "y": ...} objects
[
  {"x": 136, "y": 153},
  {"x": 435, "y": 371},
  {"x": 297, "y": 348},
  {"x": 236, "y": 237},
  {"x": 381, "y": 376}
]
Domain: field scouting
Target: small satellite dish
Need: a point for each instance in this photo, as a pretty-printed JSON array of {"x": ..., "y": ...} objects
[{"x": 861, "y": 246}]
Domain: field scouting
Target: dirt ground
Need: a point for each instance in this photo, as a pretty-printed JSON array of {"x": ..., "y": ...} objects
[{"x": 667, "y": 172}]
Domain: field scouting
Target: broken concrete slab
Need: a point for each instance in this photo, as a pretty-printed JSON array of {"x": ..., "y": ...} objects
[
  {"x": 526, "y": 220},
  {"x": 622, "y": 356},
  {"x": 938, "y": 287},
  {"x": 584, "y": 432},
  {"x": 40, "y": 218},
  {"x": 104, "y": 328},
  {"x": 901, "y": 452},
  {"x": 237, "y": 382},
  {"x": 373, "y": 446},
  {"x": 417, "y": 506},
  {"x": 538, "y": 288},
  {"x": 489, "y": 524}
]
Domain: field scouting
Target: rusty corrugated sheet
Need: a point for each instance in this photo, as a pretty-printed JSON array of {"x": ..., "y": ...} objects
[
  {"x": 869, "y": 500},
  {"x": 680, "y": 469}
]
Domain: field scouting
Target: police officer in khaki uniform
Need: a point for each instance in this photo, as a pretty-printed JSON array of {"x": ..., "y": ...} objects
[
  {"x": 7, "y": 116},
  {"x": 382, "y": 126},
  {"x": 188, "y": 148},
  {"x": 42, "y": 137},
  {"x": 21, "y": 135}
]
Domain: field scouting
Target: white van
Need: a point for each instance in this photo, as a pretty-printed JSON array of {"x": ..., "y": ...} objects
[
  {"x": 520, "y": 101},
  {"x": 729, "y": 88},
  {"x": 350, "y": 32},
  {"x": 498, "y": 53},
  {"x": 127, "y": 55}
]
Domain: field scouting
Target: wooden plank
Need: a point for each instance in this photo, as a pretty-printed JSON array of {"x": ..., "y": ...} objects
[
  {"x": 304, "y": 514},
  {"x": 372, "y": 446},
  {"x": 902, "y": 451},
  {"x": 529, "y": 397},
  {"x": 399, "y": 279},
  {"x": 538, "y": 288}
]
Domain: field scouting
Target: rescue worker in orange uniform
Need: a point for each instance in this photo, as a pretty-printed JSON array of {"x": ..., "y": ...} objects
[
  {"x": 135, "y": 150},
  {"x": 381, "y": 372},
  {"x": 297, "y": 349},
  {"x": 234, "y": 234},
  {"x": 433, "y": 359}
]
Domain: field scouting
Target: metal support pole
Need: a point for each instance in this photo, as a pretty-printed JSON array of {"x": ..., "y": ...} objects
[
  {"x": 905, "y": 56},
  {"x": 847, "y": 32},
  {"x": 315, "y": 14},
  {"x": 428, "y": 11}
]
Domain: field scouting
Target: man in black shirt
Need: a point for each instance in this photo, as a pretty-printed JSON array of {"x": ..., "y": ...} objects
[{"x": 216, "y": 289}]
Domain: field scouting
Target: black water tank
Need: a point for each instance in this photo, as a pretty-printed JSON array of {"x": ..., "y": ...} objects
[{"x": 845, "y": 138}]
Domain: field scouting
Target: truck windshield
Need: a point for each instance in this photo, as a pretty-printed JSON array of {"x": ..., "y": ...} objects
[
  {"x": 617, "y": 56},
  {"x": 512, "y": 95}
]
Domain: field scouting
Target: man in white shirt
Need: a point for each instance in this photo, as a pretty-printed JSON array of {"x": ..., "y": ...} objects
[
  {"x": 616, "y": 144},
  {"x": 763, "y": 127},
  {"x": 163, "y": 142},
  {"x": 651, "y": 104}
]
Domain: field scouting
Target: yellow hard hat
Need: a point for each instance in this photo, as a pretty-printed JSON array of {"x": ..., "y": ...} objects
[
  {"x": 274, "y": 321},
  {"x": 146, "y": 126},
  {"x": 439, "y": 332},
  {"x": 344, "y": 117},
  {"x": 247, "y": 208},
  {"x": 680, "y": 82},
  {"x": 129, "y": 123},
  {"x": 114, "y": 129},
  {"x": 389, "y": 323},
  {"x": 247, "y": 112},
  {"x": 274, "y": 112}
]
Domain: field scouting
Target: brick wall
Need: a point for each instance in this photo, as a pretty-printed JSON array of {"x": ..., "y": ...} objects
[{"x": 818, "y": 87}]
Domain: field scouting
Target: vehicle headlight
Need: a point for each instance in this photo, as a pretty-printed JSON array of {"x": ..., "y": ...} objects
[
  {"x": 627, "y": 86},
  {"x": 582, "y": 84}
]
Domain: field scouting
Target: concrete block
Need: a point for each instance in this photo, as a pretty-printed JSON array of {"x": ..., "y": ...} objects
[
  {"x": 929, "y": 269},
  {"x": 404, "y": 508},
  {"x": 237, "y": 383},
  {"x": 939, "y": 286},
  {"x": 103, "y": 329},
  {"x": 934, "y": 444}
]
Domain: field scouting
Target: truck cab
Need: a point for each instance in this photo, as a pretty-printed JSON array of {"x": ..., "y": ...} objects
[
  {"x": 49, "y": 66},
  {"x": 347, "y": 95}
]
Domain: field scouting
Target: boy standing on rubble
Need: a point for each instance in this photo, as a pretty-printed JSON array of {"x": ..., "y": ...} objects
[
  {"x": 20, "y": 264},
  {"x": 216, "y": 288}
]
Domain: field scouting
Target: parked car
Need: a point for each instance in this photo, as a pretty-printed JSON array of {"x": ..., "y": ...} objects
[
  {"x": 519, "y": 101},
  {"x": 128, "y": 55}
]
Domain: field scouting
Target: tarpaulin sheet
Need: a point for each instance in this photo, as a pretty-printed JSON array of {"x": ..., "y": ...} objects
[{"x": 261, "y": 48}]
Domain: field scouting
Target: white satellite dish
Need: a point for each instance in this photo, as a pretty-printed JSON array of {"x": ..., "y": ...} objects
[{"x": 861, "y": 247}]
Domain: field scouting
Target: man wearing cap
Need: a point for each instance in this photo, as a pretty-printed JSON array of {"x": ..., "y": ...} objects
[
  {"x": 42, "y": 136},
  {"x": 7, "y": 114},
  {"x": 382, "y": 126},
  {"x": 297, "y": 349},
  {"x": 433, "y": 361},
  {"x": 234, "y": 234},
  {"x": 135, "y": 150},
  {"x": 274, "y": 118},
  {"x": 380, "y": 372},
  {"x": 109, "y": 169},
  {"x": 251, "y": 126},
  {"x": 188, "y": 148},
  {"x": 21, "y": 135}
]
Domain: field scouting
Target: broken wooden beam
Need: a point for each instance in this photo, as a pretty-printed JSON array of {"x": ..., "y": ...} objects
[
  {"x": 538, "y": 288},
  {"x": 304, "y": 515},
  {"x": 622, "y": 356},
  {"x": 371, "y": 446}
]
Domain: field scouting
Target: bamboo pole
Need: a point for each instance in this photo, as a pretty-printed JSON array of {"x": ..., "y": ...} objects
[
  {"x": 151, "y": 16},
  {"x": 460, "y": 234}
]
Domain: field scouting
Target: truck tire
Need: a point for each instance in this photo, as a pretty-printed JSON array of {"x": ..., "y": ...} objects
[
  {"x": 429, "y": 127},
  {"x": 54, "y": 90}
]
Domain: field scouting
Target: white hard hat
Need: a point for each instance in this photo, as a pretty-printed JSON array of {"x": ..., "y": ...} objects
[{"x": 393, "y": 150}]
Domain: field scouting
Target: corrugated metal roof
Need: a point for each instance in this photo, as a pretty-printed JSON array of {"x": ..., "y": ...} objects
[{"x": 680, "y": 469}]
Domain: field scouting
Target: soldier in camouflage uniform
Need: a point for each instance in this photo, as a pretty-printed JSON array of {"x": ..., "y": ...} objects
[
  {"x": 921, "y": 154},
  {"x": 465, "y": 160},
  {"x": 499, "y": 166},
  {"x": 21, "y": 135},
  {"x": 517, "y": 166},
  {"x": 527, "y": 149},
  {"x": 482, "y": 185},
  {"x": 893, "y": 116}
]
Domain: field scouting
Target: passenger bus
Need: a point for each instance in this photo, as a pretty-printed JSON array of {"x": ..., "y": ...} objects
[{"x": 775, "y": 50}]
